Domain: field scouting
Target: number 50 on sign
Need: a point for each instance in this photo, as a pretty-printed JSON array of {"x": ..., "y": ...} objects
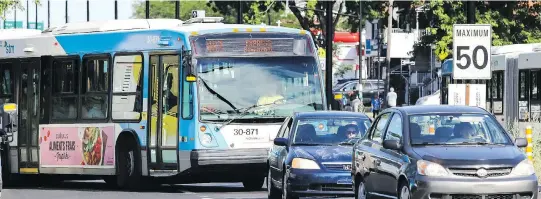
[{"x": 471, "y": 51}]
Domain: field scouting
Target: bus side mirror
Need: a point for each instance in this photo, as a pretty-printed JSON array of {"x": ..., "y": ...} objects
[{"x": 187, "y": 65}]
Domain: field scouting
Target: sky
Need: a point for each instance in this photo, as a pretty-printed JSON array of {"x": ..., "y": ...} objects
[{"x": 99, "y": 10}]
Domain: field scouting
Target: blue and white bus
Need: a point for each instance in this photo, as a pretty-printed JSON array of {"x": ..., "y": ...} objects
[{"x": 187, "y": 101}]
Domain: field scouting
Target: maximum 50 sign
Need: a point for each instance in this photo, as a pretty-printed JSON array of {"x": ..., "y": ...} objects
[{"x": 471, "y": 51}]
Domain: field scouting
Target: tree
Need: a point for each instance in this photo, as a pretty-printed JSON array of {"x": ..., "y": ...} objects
[
  {"x": 512, "y": 22},
  {"x": 7, "y": 4}
]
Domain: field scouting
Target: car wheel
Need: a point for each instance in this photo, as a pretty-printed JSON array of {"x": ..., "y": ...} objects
[
  {"x": 361, "y": 191},
  {"x": 285, "y": 192},
  {"x": 404, "y": 192},
  {"x": 272, "y": 192}
]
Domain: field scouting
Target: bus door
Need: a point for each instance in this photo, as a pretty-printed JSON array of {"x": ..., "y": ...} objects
[
  {"x": 28, "y": 105},
  {"x": 164, "y": 100},
  {"x": 8, "y": 95}
]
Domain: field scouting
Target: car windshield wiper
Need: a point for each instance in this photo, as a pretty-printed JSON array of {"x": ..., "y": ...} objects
[
  {"x": 347, "y": 143},
  {"x": 309, "y": 144},
  {"x": 474, "y": 143},
  {"x": 427, "y": 143}
]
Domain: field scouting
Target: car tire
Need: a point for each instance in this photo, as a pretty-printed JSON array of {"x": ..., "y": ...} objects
[
  {"x": 285, "y": 192},
  {"x": 360, "y": 190},
  {"x": 404, "y": 191},
  {"x": 253, "y": 184},
  {"x": 272, "y": 192}
]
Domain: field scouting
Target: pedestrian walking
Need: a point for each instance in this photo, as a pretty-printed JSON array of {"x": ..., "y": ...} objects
[{"x": 376, "y": 106}]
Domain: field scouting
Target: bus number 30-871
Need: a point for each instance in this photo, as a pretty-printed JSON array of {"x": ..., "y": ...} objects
[{"x": 245, "y": 132}]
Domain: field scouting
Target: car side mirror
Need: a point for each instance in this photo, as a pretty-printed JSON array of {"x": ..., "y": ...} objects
[
  {"x": 392, "y": 144},
  {"x": 521, "y": 142},
  {"x": 281, "y": 141}
]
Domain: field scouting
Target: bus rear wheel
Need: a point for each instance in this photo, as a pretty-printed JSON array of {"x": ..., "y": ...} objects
[
  {"x": 253, "y": 184},
  {"x": 128, "y": 165}
]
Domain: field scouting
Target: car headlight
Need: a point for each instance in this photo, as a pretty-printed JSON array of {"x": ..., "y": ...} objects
[
  {"x": 301, "y": 163},
  {"x": 206, "y": 138},
  {"x": 524, "y": 168},
  {"x": 427, "y": 168}
]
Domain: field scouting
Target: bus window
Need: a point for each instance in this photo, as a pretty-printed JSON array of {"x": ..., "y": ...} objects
[
  {"x": 64, "y": 100},
  {"x": 127, "y": 84},
  {"x": 96, "y": 82},
  {"x": 534, "y": 81},
  {"x": 6, "y": 83}
]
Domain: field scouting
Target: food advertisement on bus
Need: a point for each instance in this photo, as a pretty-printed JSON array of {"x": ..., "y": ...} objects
[{"x": 77, "y": 146}]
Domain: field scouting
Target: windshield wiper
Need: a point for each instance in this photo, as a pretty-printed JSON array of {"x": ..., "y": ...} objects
[
  {"x": 427, "y": 143},
  {"x": 217, "y": 95},
  {"x": 309, "y": 144},
  {"x": 347, "y": 143},
  {"x": 246, "y": 111}
]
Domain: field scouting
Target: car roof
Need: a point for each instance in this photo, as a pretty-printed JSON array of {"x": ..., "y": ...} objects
[
  {"x": 422, "y": 109},
  {"x": 329, "y": 114}
]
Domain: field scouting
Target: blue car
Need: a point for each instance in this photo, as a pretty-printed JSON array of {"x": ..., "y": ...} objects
[{"x": 312, "y": 154}]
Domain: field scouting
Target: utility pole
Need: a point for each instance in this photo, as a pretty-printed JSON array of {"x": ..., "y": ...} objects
[
  {"x": 87, "y": 10},
  {"x": 389, "y": 33},
  {"x": 147, "y": 9},
  {"x": 48, "y": 14},
  {"x": 28, "y": 15},
  {"x": 360, "y": 43},
  {"x": 116, "y": 9},
  {"x": 471, "y": 12},
  {"x": 239, "y": 13},
  {"x": 66, "y": 11},
  {"x": 328, "y": 54},
  {"x": 177, "y": 9},
  {"x": 36, "y": 15}
]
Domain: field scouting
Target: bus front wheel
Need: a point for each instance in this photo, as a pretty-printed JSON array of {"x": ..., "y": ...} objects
[{"x": 128, "y": 164}]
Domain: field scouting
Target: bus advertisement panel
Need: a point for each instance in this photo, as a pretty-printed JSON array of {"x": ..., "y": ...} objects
[{"x": 85, "y": 147}]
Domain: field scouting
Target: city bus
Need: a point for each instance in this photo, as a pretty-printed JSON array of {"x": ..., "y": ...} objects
[{"x": 129, "y": 100}]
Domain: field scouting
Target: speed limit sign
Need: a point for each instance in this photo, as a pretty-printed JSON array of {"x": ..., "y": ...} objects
[{"x": 471, "y": 51}]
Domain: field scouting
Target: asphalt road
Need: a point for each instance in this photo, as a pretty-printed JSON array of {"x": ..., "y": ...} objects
[{"x": 98, "y": 189}]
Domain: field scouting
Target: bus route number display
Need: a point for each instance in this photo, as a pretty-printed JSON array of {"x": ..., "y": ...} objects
[
  {"x": 258, "y": 45},
  {"x": 215, "y": 46}
]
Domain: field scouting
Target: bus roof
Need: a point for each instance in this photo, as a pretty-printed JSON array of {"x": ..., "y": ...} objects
[{"x": 119, "y": 36}]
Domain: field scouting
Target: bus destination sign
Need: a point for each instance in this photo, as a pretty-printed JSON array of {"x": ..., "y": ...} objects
[{"x": 248, "y": 45}]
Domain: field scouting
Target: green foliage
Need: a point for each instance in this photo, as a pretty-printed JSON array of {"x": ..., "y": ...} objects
[
  {"x": 341, "y": 70},
  {"x": 7, "y": 4},
  {"x": 512, "y": 22}
]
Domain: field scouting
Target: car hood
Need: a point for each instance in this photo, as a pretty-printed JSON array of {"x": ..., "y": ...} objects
[
  {"x": 324, "y": 153},
  {"x": 471, "y": 155}
]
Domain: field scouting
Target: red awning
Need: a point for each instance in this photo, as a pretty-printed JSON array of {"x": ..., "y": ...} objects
[{"x": 345, "y": 37}]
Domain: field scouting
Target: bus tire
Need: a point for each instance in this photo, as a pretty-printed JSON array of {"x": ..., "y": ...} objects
[{"x": 128, "y": 164}]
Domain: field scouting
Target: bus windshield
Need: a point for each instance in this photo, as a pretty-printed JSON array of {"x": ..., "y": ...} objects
[{"x": 273, "y": 86}]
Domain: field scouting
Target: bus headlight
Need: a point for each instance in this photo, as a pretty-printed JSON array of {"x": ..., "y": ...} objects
[{"x": 206, "y": 138}]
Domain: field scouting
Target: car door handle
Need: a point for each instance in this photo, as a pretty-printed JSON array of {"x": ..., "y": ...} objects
[{"x": 363, "y": 157}]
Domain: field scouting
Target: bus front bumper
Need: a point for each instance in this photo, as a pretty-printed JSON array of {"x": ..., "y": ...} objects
[{"x": 229, "y": 156}]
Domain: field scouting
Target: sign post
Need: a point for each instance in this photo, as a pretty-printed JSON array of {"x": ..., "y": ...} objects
[{"x": 471, "y": 51}]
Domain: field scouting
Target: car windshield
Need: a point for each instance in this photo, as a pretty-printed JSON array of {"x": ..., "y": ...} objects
[
  {"x": 278, "y": 86},
  {"x": 456, "y": 129},
  {"x": 329, "y": 131}
]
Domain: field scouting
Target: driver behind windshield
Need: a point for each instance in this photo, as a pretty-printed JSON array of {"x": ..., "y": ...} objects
[{"x": 463, "y": 131}]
